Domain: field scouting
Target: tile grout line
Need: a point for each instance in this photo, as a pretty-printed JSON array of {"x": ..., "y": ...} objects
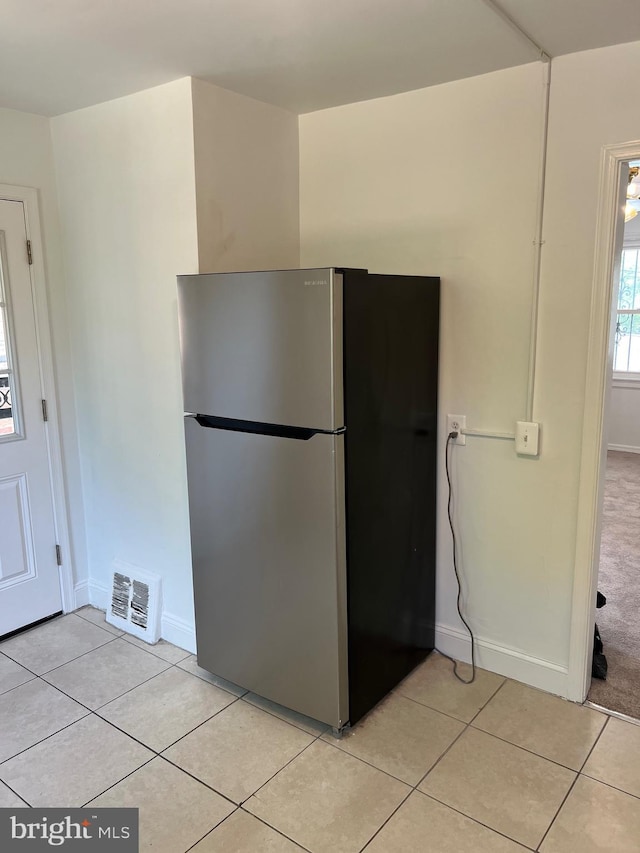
[
  {"x": 196, "y": 779},
  {"x": 7, "y": 785},
  {"x": 453, "y": 808},
  {"x": 279, "y": 831},
  {"x": 97, "y": 648},
  {"x": 78, "y": 657},
  {"x": 91, "y": 622},
  {"x": 159, "y": 753},
  {"x": 465, "y": 729},
  {"x": 600, "y": 781},
  {"x": 490, "y": 699},
  {"x": 144, "y": 764},
  {"x": 368, "y": 763},
  {"x": 572, "y": 786},
  {"x": 22, "y": 683},
  {"x": 172, "y": 764},
  {"x": 42, "y": 740},
  {"x": 530, "y": 751},
  {"x": 46, "y": 672},
  {"x": 415, "y": 788},
  {"x": 195, "y": 728},
  {"x": 156, "y": 753},
  {"x": 262, "y": 820},
  {"x": 610, "y": 786},
  {"x": 474, "y": 820},
  {"x": 440, "y": 757},
  {"x": 90, "y": 712},
  {"x": 431, "y": 708},
  {"x": 40, "y": 674},
  {"x": 94, "y": 711},
  {"x": 380, "y": 828},
  {"x": 595, "y": 743},
  {"x": 316, "y": 737},
  {"x": 128, "y": 638},
  {"x": 35, "y": 674},
  {"x": 466, "y": 725},
  {"x": 396, "y": 692},
  {"x": 123, "y": 635},
  {"x": 213, "y": 829},
  {"x": 558, "y": 810},
  {"x": 28, "y": 681},
  {"x": 469, "y": 725},
  {"x": 146, "y": 681},
  {"x": 297, "y": 755}
]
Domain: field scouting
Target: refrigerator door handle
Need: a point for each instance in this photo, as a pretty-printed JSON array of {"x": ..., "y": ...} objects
[{"x": 278, "y": 430}]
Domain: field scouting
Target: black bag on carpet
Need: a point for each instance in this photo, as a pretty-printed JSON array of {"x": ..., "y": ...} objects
[{"x": 599, "y": 661}]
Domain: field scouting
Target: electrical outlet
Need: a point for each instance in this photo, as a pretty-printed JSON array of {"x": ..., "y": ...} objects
[{"x": 456, "y": 423}]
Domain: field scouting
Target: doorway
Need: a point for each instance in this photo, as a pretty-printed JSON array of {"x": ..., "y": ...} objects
[
  {"x": 597, "y": 521},
  {"x": 30, "y": 574},
  {"x": 617, "y": 682}
]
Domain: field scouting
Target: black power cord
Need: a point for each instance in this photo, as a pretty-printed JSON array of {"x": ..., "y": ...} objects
[{"x": 452, "y": 437}]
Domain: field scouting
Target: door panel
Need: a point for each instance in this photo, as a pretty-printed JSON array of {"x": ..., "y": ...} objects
[
  {"x": 29, "y": 577},
  {"x": 16, "y": 557},
  {"x": 267, "y": 529},
  {"x": 263, "y": 346}
]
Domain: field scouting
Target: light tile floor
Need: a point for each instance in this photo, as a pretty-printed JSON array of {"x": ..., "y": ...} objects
[{"x": 91, "y": 716}]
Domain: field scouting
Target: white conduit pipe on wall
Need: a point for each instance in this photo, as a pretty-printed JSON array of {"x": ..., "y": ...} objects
[
  {"x": 538, "y": 241},
  {"x": 543, "y": 57}
]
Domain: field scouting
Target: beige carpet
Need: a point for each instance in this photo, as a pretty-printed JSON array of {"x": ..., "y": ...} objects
[{"x": 619, "y": 581}]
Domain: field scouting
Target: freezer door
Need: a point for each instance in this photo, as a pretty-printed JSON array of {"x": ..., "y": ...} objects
[
  {"x": 268, "y": 545},
  {"x": 263, "y": 346}
]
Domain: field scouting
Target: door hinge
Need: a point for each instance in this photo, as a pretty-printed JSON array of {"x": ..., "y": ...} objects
[
  {"x": 58, "y": 555},
  {"x": 45, "y": 411},
  {"x": 29, "y": 252}
]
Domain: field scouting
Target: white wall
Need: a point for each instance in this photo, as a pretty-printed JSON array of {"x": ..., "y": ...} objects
[
  {"x": 181, "y": 178},
  {"x": 439, "y": 181},
  {"x": 589, "y": 109},
  {"x": 624, "y": 418},
  {"x": 246, "y": 155},
  {"x": 126, "y": 184},
  {"x": 443, "y": 181},
  {"x": 26, "y": 159}
]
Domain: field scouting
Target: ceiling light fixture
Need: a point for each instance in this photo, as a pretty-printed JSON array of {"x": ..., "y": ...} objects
[{"x": 633, "y": 193}]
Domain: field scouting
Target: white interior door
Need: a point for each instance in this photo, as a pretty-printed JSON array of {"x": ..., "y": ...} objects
[{"x": 29, "y": 576}]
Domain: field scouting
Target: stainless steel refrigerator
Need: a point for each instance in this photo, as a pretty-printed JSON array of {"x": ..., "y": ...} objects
[{"x": 310, "y": 424}]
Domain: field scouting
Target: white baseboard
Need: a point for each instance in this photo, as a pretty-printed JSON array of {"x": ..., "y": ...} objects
[
  {"x": 98, "y": 594},
  {"x": 452, "y": 641},
  {"x": 625, "y": 448},
  {"x": 503, "y": 660},
  {"x": 80, "y": 594},
  {"x": 178, "y": 631}
]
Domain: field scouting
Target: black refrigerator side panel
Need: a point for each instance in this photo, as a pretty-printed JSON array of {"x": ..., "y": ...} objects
[{"x": 390, "y": 394}]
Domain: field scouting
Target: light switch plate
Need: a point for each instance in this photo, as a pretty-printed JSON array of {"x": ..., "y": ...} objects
[{"x": 527, "y": 438}]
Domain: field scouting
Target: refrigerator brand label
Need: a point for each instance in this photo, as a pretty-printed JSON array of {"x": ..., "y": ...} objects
[{"x": 314, "y": 282}]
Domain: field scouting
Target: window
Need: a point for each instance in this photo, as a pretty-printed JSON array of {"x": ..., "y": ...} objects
[
  {"x": 626, "y": 358},
  {"x": 7, "y": 376}
]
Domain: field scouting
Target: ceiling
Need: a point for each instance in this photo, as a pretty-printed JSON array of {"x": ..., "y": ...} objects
[{"x": 303, "y": 55}]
